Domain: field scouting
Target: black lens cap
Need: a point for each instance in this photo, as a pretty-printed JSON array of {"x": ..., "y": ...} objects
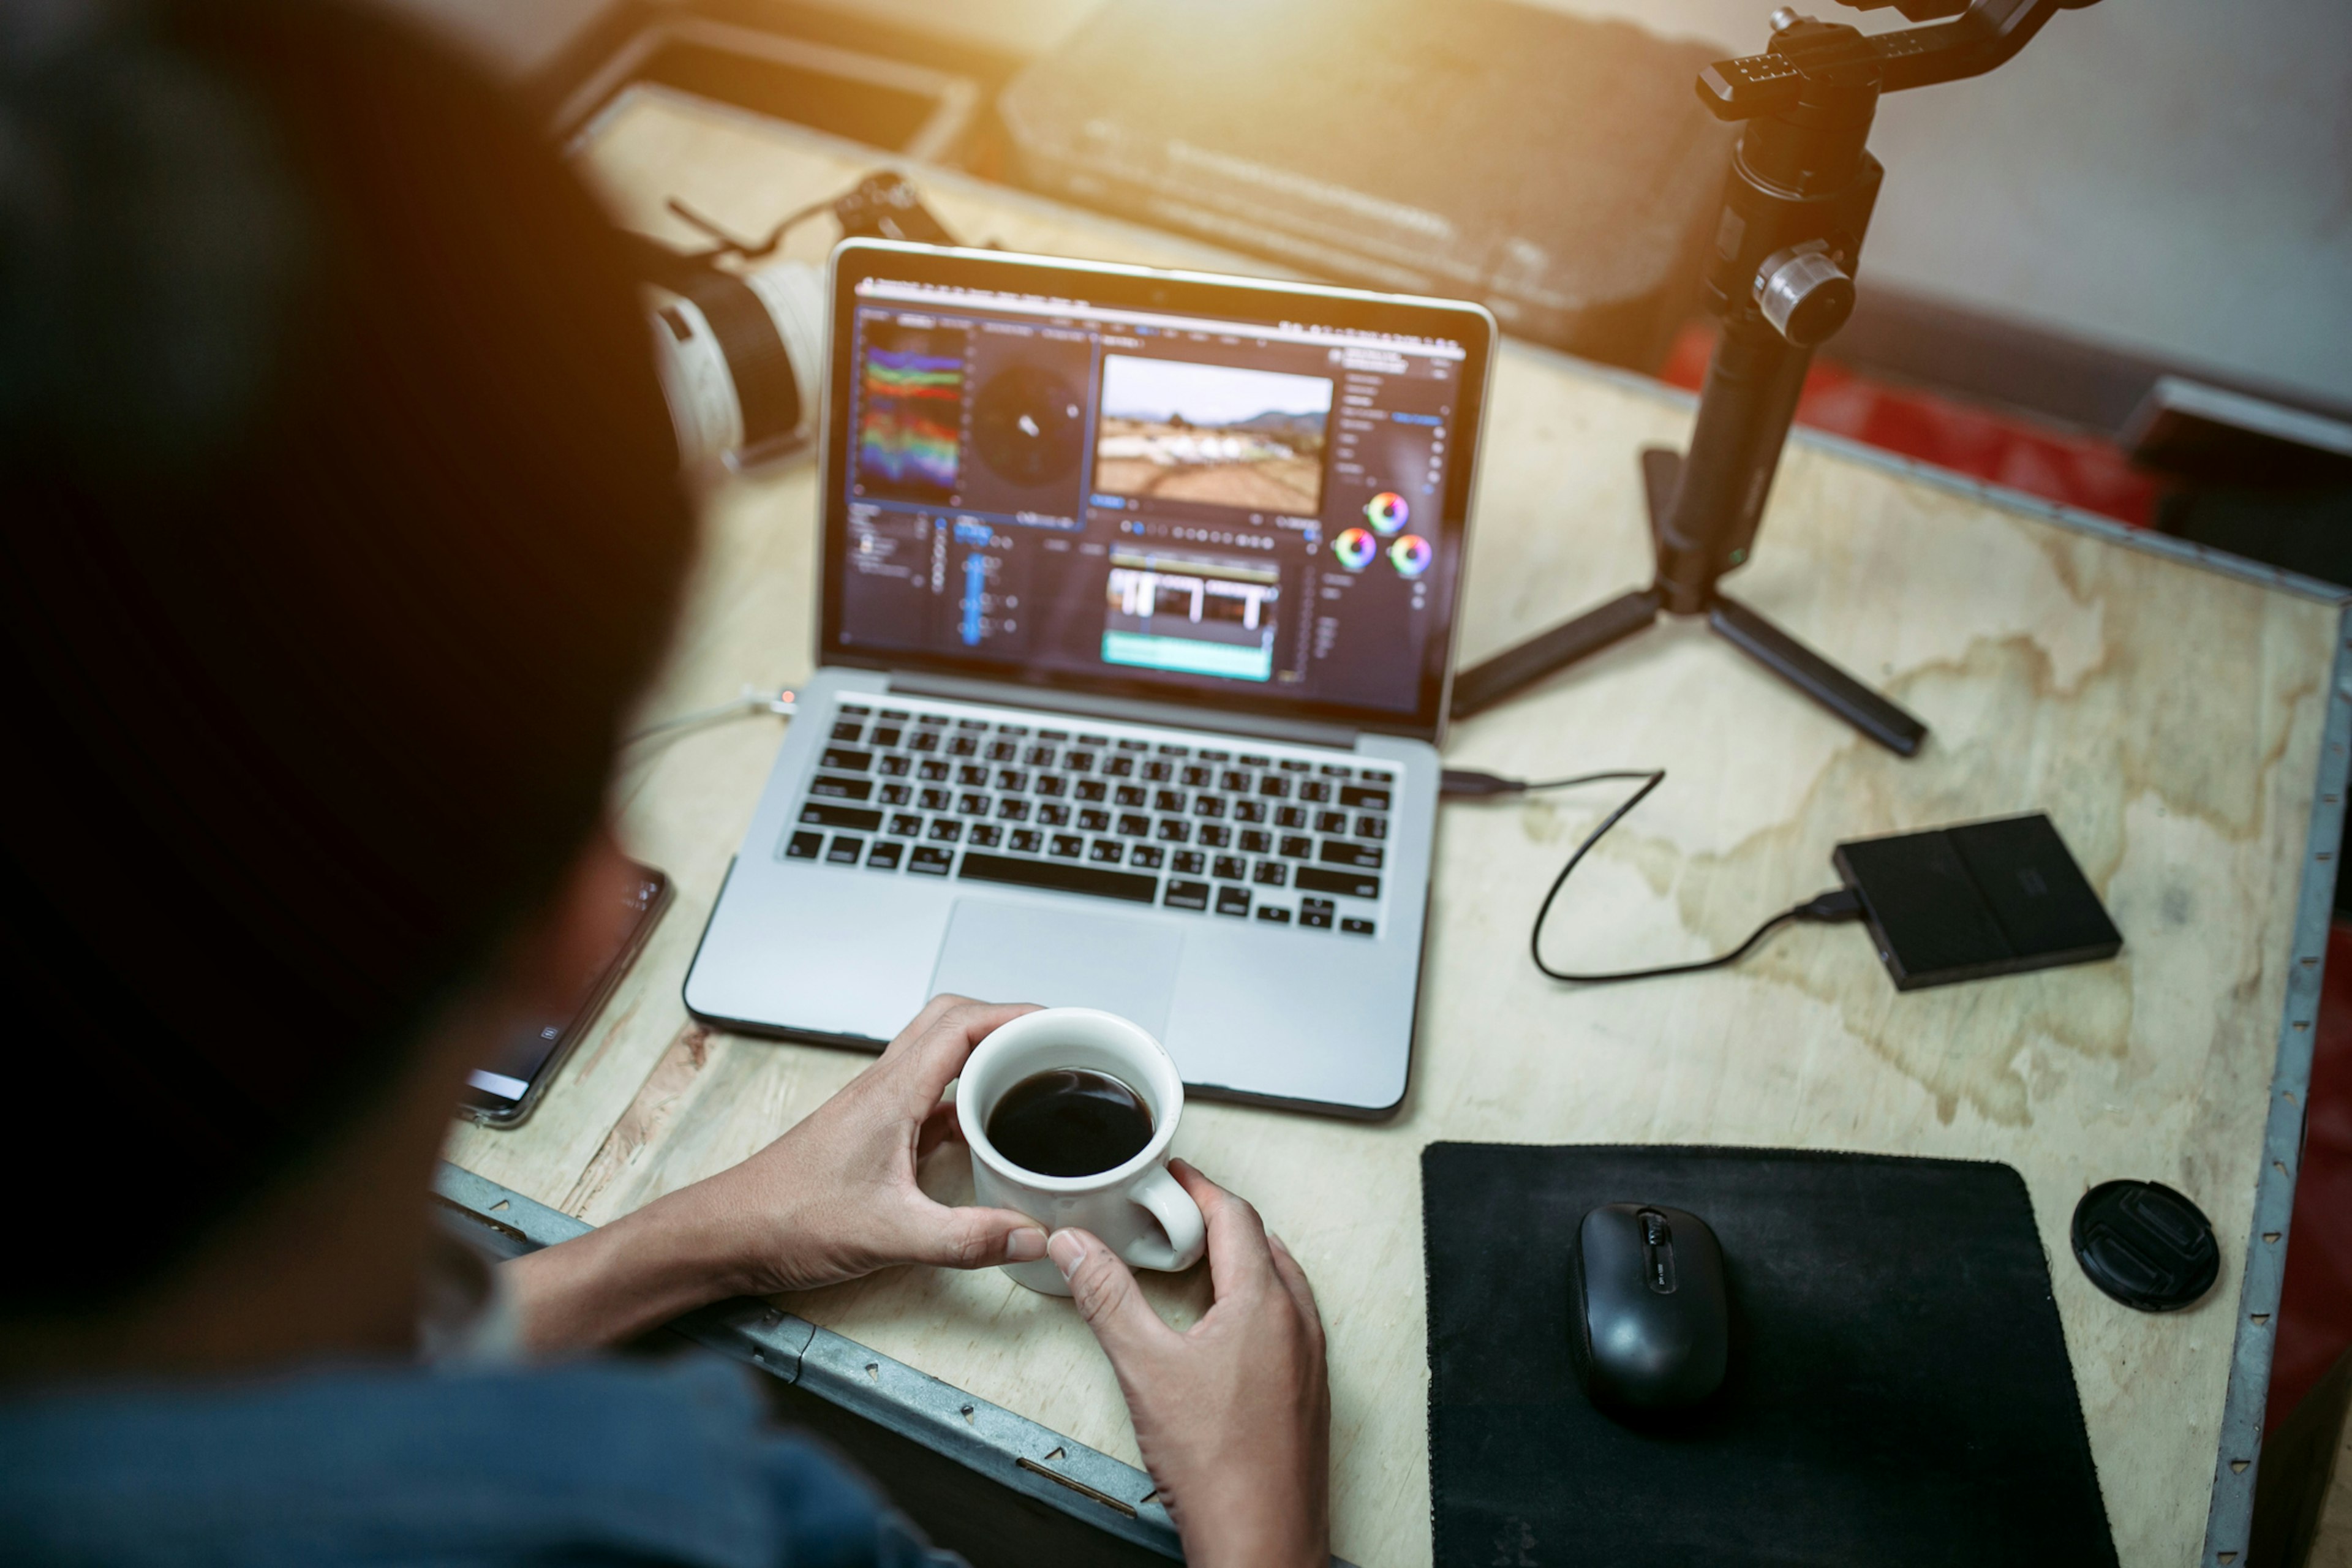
[{"x": 2145, "y": 1245}]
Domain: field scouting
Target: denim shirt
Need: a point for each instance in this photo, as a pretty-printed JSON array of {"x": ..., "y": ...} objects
[{"x": 605, "y": 1463}]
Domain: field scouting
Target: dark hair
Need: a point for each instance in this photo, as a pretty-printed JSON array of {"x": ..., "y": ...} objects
[{"x": 339, "y": 524}]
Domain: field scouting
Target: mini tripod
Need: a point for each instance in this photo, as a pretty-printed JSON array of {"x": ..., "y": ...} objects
[{"x": 1781, "y": 278}]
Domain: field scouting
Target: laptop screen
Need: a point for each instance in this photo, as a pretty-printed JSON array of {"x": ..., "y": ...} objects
[{"x": 1149, "y": 484}]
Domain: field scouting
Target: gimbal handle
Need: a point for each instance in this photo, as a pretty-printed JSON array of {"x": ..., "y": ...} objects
[{"x": 1984, "y": 35}]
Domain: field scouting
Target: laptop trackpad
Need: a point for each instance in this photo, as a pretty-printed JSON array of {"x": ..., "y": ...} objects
[{"x": 1063, "y": 957}]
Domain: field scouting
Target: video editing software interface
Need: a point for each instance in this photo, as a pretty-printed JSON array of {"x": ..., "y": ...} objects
[{"x": 1103, "y": 491}]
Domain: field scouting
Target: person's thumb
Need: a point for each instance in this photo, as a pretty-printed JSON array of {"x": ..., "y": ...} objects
[
  {"x": 983, "y": 1238},
  {"x": 1104, "y": 1292}
]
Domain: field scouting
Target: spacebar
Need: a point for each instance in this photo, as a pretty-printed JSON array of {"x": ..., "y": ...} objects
[{"x": 1063, "y": 878}]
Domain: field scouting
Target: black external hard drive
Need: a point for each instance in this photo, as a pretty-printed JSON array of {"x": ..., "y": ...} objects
[{"x": 1979, "y": 900}]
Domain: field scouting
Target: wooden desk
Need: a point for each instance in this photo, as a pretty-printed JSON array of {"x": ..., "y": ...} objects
[{"x": 2173, "y": 717}]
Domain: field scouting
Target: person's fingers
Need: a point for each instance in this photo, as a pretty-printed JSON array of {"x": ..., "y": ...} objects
[
  {"x": 935, "y": 1059},
  {"x": 1293, "y": 1280},
  {"x": 933, "y": 1011},
  {"x": 938, "y": 1127},
  {"x": 1238, "y": 1259},
  {"x": 973, "y": 1237},
  {"x": 1107, "y": 1296}
]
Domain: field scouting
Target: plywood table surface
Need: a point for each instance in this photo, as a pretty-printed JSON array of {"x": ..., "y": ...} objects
[{"x": 2170, "y": 718}]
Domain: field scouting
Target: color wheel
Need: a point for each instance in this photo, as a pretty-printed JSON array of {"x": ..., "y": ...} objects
[
  {"x": 1411, "y": 555},
  {"x": 1387, "y": 512},
  {"x": 1355, "y": 548}
]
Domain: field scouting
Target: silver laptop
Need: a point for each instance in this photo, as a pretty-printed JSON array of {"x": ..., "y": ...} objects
[{"x": 1139, "y": 590}]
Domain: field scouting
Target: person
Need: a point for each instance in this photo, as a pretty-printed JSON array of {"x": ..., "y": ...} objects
[{"x": 339, "y": 530}]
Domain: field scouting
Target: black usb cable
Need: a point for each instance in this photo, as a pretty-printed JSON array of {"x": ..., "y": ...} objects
[{"x": 1461, "y": 784}]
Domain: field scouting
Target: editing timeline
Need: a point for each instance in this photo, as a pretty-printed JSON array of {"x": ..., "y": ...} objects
[{"x": 1204, "y": 503}]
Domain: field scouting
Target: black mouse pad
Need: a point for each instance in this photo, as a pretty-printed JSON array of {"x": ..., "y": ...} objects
[{"x": 1898, "y": 1392}]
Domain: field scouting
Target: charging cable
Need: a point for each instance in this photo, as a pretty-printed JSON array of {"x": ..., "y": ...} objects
[
  {"x": 753, "y": 699},
  {"x": 1460, "y": 783}
]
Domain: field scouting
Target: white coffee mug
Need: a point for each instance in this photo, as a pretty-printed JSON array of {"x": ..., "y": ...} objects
[{"x": 1135, "y": 1208}]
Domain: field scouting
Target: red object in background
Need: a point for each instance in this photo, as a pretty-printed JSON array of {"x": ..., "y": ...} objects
[
  {"x": 2003, "y": 449},
  {"x": 2314, "y": 1321}
]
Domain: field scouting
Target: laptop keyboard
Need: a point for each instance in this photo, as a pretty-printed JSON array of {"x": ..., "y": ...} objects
[{"x": 1278, "y": 836}]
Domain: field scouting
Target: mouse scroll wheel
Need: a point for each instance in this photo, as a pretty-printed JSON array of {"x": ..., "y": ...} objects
[{"x": 1653, "y": 1230}]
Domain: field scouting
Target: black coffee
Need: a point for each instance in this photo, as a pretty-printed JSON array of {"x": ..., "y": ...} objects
[{"x": 1070, "y": 1122}]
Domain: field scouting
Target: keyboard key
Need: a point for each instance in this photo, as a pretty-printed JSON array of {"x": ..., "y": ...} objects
[
  {"x": 1362, "y": 798},
  {"x": 906, "y": 825},
  {"x": 1356, "y": 928},
  {"x": 1145, "y": 855},
  {"x": 804, "y": 847},
  {"x": 1119, "y": 767},
  {"x": 855, "y": 709},
  {"x": 1012, "y": 779},
  {"x": 1257, "y": 841},
  {"x": 1013, "y": 810},
  {"x": 1051, "y": 786},
  {"x": 1001, "y": 751},
  {"x": 1079, "y": 761},
  {"x": 883, "y": 856},
  {"x": 1094, "y": 819},
  {"x": 1215, "y": 835},
  {"x": 1106, "y": 852},
  {"x": 1298, "y": 847},
  {"x": 1100, "y": 881},
  {"x": 1354, "y": 884},
  {"x": 1249, "y": 811},
  {"x": 1290, "y": 816},
  {"x": 849, "y": 730},
  {"x": 1169, "y": 800},
  {"x": 1271, "y": 874},
  {"x": 1097, "y": 742},
  {"x": 846, "y": 759},
  {"x": 1186, "y": 895},
  {"x": 1042, "y": 756},
  {"x": 1158, "y": 772},
  {"x": 934, "y": 772},
  {"x": 1315, "y": 791},
  {"x": 815, "y": 814},
  {"x": 829, "y": 788},
  {"x": 1068, "y": 846},
  {"x": 924, "y": 740},
  {"x": 946, "y": 830},
  {"x": 1274, "y": 786},
  {"x": 930, "y": 860},
  {"x": 971, "y": 723},
  {"x": 1129, "y": 794},
  {"x": 1231, "y": 868},
  {"x": 934, "y": 799},
  {"x": 1293, "y": 765},
  {"x": 1053, "y": 816},
  {"x": 1335, "y": 771},
  {"x": 894, "y": 715},
  {"x": 1028, "y": 840},
  {"x": 897, "y": 795},
  {"x": 1134, "y": 824},
  {"x": 971, "y": 775},
  {"x": 1330, "y": 822},
  {"x": 1252, "y": 760},
  {"x": 1053, "y": 734},
  {"x": 1175, "y": 830},
  {"x": 1370, "y": 826},
  {"x": 887, "y": 736},
  {"x": 1209, "y": 805},
  {"x": 1341, "y": 852},
  {"x": 1092, "y": 789},
  {"x": 1209, "y": 756},
  {"x": 895, "y": 766},
  {"x": 843, "y": 850},
  {"x": 1233, "y": 902},
  {"x": 1378, "y": 775},
  {"x": 1273, "y": 914},
  {"x": 1133, "y": 746},
  {"x": 1196, "y": 777},
  {"x": 1314, "y": 913},
  {"x": 963, "y": 746},
  {"x": 972, "y": 805},
  {"x": 1175, "y": 750},
  {"x": 1230, "y": 780},
  {"x": 1015, "y": 730},
  {"x": 1188, "y": 863},
  {"x": 984, "y": 833}
]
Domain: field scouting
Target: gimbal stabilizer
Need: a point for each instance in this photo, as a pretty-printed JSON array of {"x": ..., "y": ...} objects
[{"x": 1781, "y": 276}]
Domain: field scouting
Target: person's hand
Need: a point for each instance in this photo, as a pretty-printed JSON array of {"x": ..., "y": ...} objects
[
  {"x": 836, "y": 1198},
  {"x": 832, "y": 1199},
  {"x": 1234, "y": 1415}
]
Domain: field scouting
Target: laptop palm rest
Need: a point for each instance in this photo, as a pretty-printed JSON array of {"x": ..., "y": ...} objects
[{"x": 999, "y": 951}]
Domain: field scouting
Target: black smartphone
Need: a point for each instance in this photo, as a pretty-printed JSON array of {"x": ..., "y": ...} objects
[{"x": 503, "y": 1093}]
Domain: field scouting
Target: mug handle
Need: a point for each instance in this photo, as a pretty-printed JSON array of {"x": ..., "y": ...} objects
[{"x": 1177, "y": 1215}]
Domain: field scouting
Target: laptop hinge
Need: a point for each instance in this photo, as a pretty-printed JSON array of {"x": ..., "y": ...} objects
[{"x": 1132, "y": 711}]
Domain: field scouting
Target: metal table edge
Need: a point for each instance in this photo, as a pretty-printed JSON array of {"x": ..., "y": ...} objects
[
  {"x": 2228, "y": 1520},
  {"x": 1008, "y": 1448}
]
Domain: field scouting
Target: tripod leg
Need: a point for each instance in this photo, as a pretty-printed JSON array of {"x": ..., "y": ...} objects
[
  {"x": 1482, "y": 686},
  {"x": 1816, "y": 677}
]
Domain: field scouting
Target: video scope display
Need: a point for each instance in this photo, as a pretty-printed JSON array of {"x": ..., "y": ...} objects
[{"x": 1195, "y": 503}]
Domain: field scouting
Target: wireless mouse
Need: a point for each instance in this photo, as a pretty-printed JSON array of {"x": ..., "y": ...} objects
[{"x": 1652, "y": 1328}]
